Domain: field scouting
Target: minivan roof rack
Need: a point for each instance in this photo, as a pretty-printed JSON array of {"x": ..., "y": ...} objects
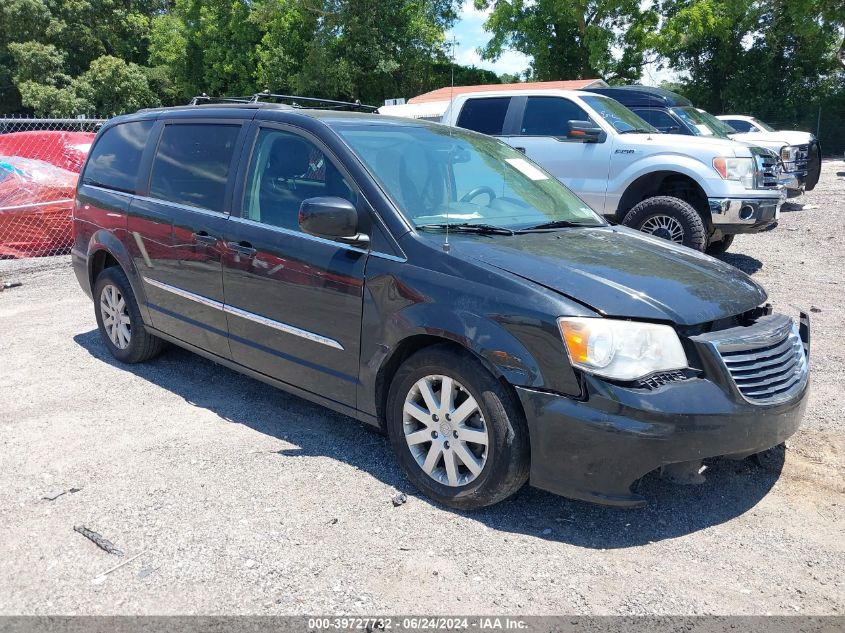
[{"x": 296, "y": 101}]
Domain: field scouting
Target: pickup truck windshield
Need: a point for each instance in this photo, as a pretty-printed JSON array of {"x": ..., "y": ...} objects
[
  {"x": 716, "y": 124},
  {"x": 698, "y": 123},
  {"x": 438, "y": 176},
  {"x": 620, "y": 117}
]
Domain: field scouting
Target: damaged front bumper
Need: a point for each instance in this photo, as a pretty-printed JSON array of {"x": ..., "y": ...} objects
[{"x": 595, "y": 449}]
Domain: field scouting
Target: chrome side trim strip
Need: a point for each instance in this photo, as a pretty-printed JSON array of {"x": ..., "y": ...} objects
[
  {"x": 283, "y": 327},
  {"x": 251, "y": 316},
  {"x": 211, "y": 303}
]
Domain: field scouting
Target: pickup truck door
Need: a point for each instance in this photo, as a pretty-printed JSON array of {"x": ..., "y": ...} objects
[{"x": 539, "y": 127}]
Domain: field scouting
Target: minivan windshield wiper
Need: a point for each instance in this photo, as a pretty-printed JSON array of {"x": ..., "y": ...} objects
[
  {"x": 558, "y": 224},
  {"x": 468, "y": 228}
]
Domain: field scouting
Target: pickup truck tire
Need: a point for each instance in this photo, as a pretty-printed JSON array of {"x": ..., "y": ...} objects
[
  {"x": 670, "y": 218},
  {"x": 719, "y": 247},
  {"x": 468, "y": 452}
]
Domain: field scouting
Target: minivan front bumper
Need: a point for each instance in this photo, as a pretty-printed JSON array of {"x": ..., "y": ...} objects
[{"x": 595, "y": 449}]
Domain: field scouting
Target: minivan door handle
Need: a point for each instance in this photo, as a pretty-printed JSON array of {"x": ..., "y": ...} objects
[
  {"x": 244, "y": 248},
  {"x": 205, "y": 238}
]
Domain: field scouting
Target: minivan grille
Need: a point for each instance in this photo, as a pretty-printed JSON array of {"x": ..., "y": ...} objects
[{"x": 768, "y": 373}]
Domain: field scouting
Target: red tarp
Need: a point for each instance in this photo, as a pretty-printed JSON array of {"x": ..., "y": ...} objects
[
  {"x": 38, "y": 173},
  {"x": 62, "y": 149}
]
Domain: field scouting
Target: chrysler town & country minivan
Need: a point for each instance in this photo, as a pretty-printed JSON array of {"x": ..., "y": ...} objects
[{"x": 438, "y": 285}]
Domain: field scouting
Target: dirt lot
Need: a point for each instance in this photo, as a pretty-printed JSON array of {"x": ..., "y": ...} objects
[{"x": 242, "y": 499}]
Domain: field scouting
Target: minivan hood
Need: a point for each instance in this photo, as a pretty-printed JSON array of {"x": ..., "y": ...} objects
[{"x": 620, "y": 272}]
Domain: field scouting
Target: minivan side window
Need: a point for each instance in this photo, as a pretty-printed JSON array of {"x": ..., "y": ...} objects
[
  {"x": 191, "y": 165},
  {"x": 116, "y": 156},
  {"x": 485, "y": 115},
  {"x": 284, "y": 170},
  {"x": 550, "y": 116}
]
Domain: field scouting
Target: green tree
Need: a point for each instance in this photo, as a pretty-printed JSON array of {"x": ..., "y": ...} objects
[
  {"x": 572, "y": 39},
  {"x": 113, "y": 86}
]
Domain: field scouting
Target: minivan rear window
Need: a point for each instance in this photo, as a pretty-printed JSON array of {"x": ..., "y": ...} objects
[
  {"x": 485, "y": 115},
  {"x": 116, "y": 156},
  {"x": 191, "y": 165}
]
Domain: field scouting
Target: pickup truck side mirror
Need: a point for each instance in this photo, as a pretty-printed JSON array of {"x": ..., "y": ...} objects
[
  {"x": 585, "y": 131},
  {"x": 333, "y": 219}
]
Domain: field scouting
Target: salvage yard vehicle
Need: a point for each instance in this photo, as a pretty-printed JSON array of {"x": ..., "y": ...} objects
[
  {"x": 438, "y": 285},
  {"x": 698, "y": 192},
  {"x": 800, "y": 152},
  {"x": 674, "y": 114}
]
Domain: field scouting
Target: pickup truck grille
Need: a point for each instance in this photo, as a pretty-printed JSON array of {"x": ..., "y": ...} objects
[
  {"x": 767, "y": 372},
  {"x": 801, "y": 157},
  {"x": 768, "y": 170}
]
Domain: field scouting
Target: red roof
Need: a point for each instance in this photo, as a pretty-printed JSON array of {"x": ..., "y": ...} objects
[{"x": 442, "y": 94}]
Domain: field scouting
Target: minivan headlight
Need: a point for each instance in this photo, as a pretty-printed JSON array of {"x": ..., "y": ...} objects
[{"x": 621, "y": 350}]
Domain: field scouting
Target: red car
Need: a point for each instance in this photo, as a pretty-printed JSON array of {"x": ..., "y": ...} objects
[{"x": 38, "y": 173}]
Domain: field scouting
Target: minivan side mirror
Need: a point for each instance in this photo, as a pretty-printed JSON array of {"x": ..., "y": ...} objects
[
  {"x": 585, "y": 131},
  {"x": 332, "y": 219}
]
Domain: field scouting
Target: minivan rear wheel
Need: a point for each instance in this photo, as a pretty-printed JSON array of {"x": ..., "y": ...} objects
[
  {"x": 456, "y": 431},
  {"x": 671, "y": 218},
  {"x": 119, "y": 319}
]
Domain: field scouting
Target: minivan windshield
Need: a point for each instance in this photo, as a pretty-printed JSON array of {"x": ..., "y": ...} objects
[
  {"x": 438, "y": 175},
  {"x": 620, "y": 117}
]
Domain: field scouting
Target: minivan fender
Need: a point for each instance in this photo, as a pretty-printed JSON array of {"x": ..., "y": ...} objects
[
  {"x": 420, "y": 325},
  {"x": 104, "y": 240}
]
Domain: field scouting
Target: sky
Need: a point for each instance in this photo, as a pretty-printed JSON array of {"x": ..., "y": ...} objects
[{"x": 471, "y": 35}]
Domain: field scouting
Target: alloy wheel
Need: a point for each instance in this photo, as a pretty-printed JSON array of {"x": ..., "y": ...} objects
[
  {"x": 445, "y": 430},
  {"x": 664, "y": 226},
  {"x": 115, "y": 313}
]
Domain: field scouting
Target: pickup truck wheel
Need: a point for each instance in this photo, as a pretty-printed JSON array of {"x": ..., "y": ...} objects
[
  {"x": 670, "y": 218},
  {"x": 456, "y": 430},
  {"x": 119, "y": 319},
  {"x": 719, "y": 247}
]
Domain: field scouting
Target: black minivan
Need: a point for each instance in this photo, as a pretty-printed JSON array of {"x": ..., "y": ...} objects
[{"x": 438, "y": 285}]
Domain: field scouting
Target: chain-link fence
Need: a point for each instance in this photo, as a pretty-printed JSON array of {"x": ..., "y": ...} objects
[{"x": 40, "y": 160}]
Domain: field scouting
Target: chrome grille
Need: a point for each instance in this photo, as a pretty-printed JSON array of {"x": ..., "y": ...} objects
[
  {"x": 768, "y": 169},
  {"x": 767, "y": 367}
]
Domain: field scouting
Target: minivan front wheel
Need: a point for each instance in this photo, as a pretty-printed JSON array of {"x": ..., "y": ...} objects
[
  {"x": 456, "y": 431},
  {"x": 670, "y": 218},
  {"x": 119, "y": 319}
]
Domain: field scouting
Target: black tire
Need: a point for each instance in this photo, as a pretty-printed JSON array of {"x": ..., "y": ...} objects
[
  {"x": 648, "y": 211},
  {"x": 141, "y": 344},
  {"x": 720, "y": 247},
  {"x": 507, "y": 453}
]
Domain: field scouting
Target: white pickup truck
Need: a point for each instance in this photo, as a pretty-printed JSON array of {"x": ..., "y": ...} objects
[
  {"x": 800, "y": 151},
  {"x": 693, "y": 190}
]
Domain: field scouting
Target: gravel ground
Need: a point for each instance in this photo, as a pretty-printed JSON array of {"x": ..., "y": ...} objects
[{"x": 242, "y": 499}]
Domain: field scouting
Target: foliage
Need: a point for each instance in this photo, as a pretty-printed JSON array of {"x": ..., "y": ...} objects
[
  {"x": 572, "y": 39},
  {"x": 778, "y": 59}
]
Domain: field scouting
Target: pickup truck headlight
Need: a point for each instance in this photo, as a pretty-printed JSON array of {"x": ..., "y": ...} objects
[
  {"x": 621, "y": 350},
  {"x": 788, "y": 153},
  {"x": 741, "y": 169}
]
